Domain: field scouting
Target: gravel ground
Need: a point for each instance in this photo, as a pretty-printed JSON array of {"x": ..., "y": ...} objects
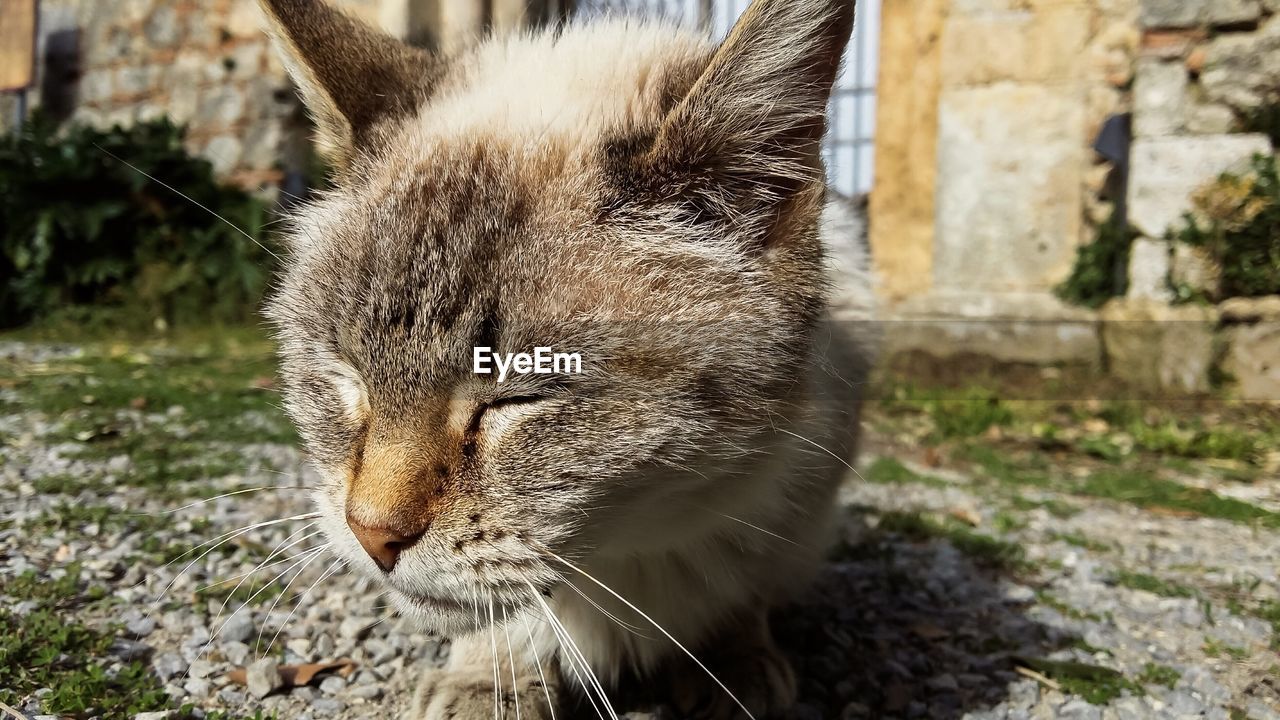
[{"x": 967, "y": 585}]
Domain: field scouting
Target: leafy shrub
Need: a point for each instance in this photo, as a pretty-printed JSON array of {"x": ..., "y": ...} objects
[
  {"x": 79, "y": 228},
  {"x": 1237, "y": 223},
  {"x": 1101, "y": 269}
]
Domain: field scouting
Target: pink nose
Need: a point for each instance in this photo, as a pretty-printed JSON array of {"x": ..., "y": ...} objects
[{"x": 384, "y": 545}]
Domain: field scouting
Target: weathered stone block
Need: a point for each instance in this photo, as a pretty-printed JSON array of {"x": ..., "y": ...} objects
[
  {"x": 1211, "y": 120},
  {"x": 1242, "y": 70},
  {"x": 1157, "y": 346},
  {"x": 1173, "y": 13},
  {"x": 1159, "y": 98},
  {"x": 1044, "y": 44},
  {"x": 163, "y": 28},
  {"x": 1010, "y": 162},
  {"x": 1252, "y": 359},
  {"x": 1009, "y": 327},
  {"x": 1232, "y": 12},
  {"x": 1149, "y": 265},
  {"x": 1164, "y": 172}
]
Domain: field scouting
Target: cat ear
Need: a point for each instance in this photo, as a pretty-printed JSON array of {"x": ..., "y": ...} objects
[
  {"x": 753, "y": 122},
  {"x": 352, "y": 78}
]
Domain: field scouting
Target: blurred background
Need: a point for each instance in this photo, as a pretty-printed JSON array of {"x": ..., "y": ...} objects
[{"x": 1069, "y": 500}]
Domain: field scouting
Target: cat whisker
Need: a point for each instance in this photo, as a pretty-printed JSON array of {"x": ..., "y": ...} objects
[
  {"x": 279, "y": 548},
  {"x": 307, "y": 557},
  {"x": 266, "y": 617},
  {"x": 837, "y": 457},
  {"x": 328, "y": 571},
  {"x": 497, "y": 676},
  {"x": 220, "y": 541},
  {"x": 757, "y": 527},
  {"x": 189, "y": 199},
  {"x": 537, "y": 661},
  {"x": 566, "y": 642},
  {"x": 620, "y": 623},
  {"x": 660, "y": 629},
  {"x": 261, "y": 567},
  {"x": 218, "y": 497},
  {"x": 515, "y": 686}
]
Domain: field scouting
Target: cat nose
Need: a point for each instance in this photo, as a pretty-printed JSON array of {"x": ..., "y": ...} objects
[{"x": 382, "y": 544}]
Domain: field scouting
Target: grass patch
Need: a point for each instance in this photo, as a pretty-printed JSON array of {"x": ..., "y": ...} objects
[
  {"x": 955, "y": 413},
  {"x": 1057, "y": 508},
  {"x": 1144, "y": 490},
  {"x": 1152, "y": 584},
  {"x": 983, "y": 549},
  {"x": 1096, "y": 684},
  {"x": 889, "y": 471},
  {"x": 1156, "y": 674},
  {"x": 1215, "y": 648},
  {"x": 43, "y": 649},
  {"x": 1051, "y": 600},
  {"x": 1029, "y": 472},
  {"x": 1081, "y": 541}
]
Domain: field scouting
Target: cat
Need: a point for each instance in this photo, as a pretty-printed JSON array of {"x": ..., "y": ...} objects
[{"x": 638, "y": 195}]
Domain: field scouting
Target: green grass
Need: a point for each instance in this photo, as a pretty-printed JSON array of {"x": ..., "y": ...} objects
[
  {"x": 889, "y": 471},
  {"x": 1081, "y": 541},
  {"x": 1028, "y": 471},
  {"x": 1214, "y": 648},
  {"x": 1152, "y": 584},
  {"x": 44, "y": 649},
  {"x": 983, "y": 549},
  {"x": 954, "y": 413},
  {"x": 1145, "y": 490},
  {"x": 1050, "y": 600},
  {"x": 1155, "y": 674},
  {"x": 1096, "y": 684}
]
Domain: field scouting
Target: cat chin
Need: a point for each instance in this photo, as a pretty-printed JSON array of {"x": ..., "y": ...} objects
[{"x": 449, "y": 617}]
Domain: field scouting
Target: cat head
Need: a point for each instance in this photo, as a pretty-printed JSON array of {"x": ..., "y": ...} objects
[{"x": 623, "y": 191}]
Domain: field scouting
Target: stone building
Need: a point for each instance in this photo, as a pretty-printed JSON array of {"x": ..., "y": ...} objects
[
  {"x": 987, "y": 170},
  {"x": 990, "y": 175}
]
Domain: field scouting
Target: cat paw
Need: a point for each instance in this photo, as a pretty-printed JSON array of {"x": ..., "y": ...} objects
[{"x": 445, "y": 695}]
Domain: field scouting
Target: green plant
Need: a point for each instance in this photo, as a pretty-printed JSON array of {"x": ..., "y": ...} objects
[
  {"x": 1237, "y": 223},
  {"x": 1101, "y": 269},
  {"x": 83, "y": 226}
]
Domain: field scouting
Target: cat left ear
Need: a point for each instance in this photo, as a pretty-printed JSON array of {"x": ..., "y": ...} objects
[
  {"x": 352, "y": 77},
  {"x": 747, "y": 138}
]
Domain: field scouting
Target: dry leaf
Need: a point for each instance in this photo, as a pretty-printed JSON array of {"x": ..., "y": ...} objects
[
  {"x": 299, "y": 675},
  {"x": 968, "y": 516}
]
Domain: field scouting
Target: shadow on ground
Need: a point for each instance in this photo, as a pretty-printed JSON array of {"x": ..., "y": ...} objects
[{"x": 902, "y": 628}]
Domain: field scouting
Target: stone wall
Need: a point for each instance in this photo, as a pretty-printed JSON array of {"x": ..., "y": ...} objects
[
  {"x": 980, "y": 229},
  {"x": 203, "y": 63},
  {"x": 1206, "y": 67}
]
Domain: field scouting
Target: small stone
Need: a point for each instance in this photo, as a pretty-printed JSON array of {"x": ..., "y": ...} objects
[
  {"x": 380, "y": 651},
  {"x": 129, "y": 650},
  {"x": 1079, "y": 710},
  {"x": 326, "y": 707},
  {"x": 236, "y": 653},
  {"x": 201, "y": 669},
  {"x": 238, "y": 628},
  {"x": 324, "y": 646},
  {"x": 198, "y": 687},
  {"x": 353, "y": 627},
  {"x": 263, "y": 678},
  {"x": 168, "y": 665},
  {"x": 300, "y": 647},
  {"x": 333, "y": 685},
  {"x": 158, "y": 715},
  {"x": 943, "y": 683},
  {"x": 366, "y": 692},
  {"x": 140, "y": 627}
]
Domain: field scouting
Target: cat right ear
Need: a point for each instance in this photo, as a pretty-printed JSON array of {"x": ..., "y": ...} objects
[{"x": 352, "y": 78}]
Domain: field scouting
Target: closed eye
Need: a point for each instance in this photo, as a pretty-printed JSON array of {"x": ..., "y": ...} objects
[{"x": 500, "y": 404}]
